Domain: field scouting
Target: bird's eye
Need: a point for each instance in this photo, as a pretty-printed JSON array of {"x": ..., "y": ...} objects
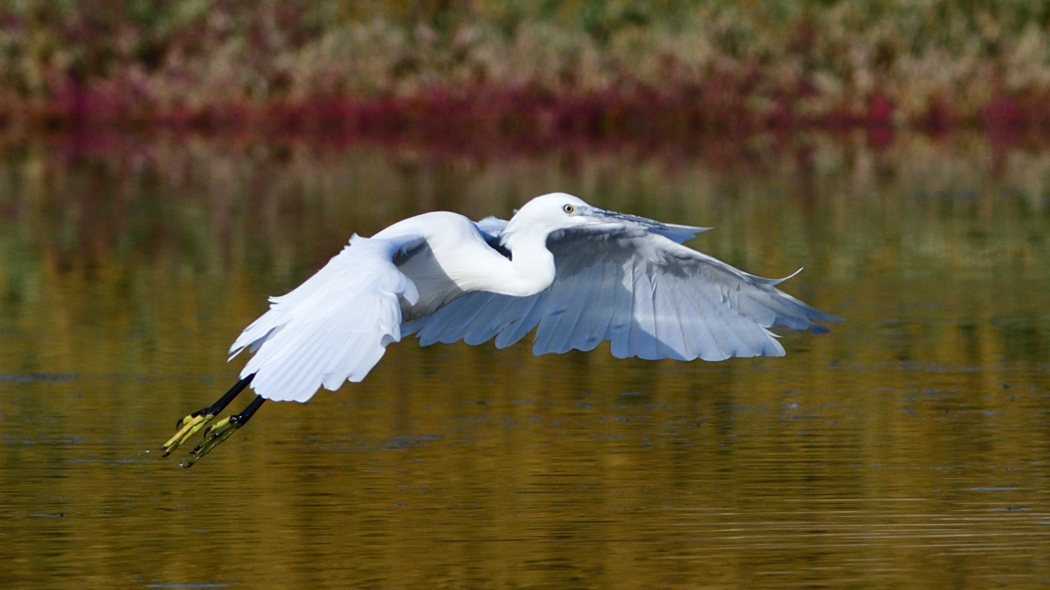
[{"x": 568, "y": 209}]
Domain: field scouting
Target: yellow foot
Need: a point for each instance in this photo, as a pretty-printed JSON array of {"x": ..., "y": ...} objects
[
  {"x": 213, "y": 437},
  {"x": 188, "y": 426}
]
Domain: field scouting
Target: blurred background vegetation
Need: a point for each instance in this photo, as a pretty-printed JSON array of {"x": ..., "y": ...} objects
[{"x": 593, "y": 67}]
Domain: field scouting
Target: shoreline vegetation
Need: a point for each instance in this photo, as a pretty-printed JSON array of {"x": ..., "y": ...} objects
[{"x": 527, "y": 71}]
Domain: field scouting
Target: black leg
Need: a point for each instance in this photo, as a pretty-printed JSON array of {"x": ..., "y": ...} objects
[
  {"x": 221, "y": 403},
  {"x": 242, "y": 418}
]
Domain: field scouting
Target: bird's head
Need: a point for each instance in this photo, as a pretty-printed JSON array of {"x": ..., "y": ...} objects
[{"x": 547, "y": 214}]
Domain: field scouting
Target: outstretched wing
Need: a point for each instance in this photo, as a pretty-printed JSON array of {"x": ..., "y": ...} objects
[
  {"x": 641, "y": 290},
  {"x": 333, "y": 327}
]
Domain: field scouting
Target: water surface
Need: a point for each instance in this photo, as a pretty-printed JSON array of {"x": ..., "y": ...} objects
[{"x": 908, "y": 448}]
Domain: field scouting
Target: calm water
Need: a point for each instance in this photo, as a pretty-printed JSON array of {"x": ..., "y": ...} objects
[{"x": 908, "y": 448}]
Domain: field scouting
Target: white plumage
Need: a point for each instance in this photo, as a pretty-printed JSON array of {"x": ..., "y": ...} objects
[
  {"x": 576, "y": 274},
  {"x": 332, "y": 328}
]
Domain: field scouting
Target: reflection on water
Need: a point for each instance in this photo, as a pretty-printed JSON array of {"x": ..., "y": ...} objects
[{"x": 908, "y": 448}]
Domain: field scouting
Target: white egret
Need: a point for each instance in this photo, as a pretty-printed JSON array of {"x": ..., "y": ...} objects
[{"x": 578, "y": 274}]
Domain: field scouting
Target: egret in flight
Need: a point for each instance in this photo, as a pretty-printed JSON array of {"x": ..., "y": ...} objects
[{"x": 578, "y": 274}]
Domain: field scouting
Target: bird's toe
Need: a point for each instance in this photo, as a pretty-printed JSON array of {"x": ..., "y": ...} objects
[
  {"x": 187, "y": 427},
  {"x": 213, "y": 437}
]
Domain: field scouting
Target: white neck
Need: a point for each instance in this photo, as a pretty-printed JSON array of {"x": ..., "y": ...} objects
[
  {"x": 529, "y": 271},
  {"x": 460, "y": 260}
]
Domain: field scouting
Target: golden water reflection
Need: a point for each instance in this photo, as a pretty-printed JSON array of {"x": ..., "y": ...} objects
[{"x": 908, "y": 448}]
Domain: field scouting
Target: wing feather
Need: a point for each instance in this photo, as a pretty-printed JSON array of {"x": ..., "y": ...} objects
[
  {"x": 585, "y": 330},
  {"x": 517, "y": 328},
  {"x": 643, "y": 327},
  {"x": 484, "y": 326},
  {"x": 668, "y": 324},
  {"x": 589, "y": 335},
  {"x": 709, "y": 320},
  {"x": 556, "y": 329},
  {"x": 620, "y": 325}
]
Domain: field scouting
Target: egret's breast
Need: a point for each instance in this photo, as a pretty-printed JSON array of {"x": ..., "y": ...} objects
[{"x": 455, "y": 259}]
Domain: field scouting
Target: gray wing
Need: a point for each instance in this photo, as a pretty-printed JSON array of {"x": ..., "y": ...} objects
[{"x": 644, "y": 292}]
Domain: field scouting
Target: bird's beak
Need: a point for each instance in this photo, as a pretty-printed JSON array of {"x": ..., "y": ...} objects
[
  {"x": 603, "y": 216},
  {"x": 626, "y": 221}
]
